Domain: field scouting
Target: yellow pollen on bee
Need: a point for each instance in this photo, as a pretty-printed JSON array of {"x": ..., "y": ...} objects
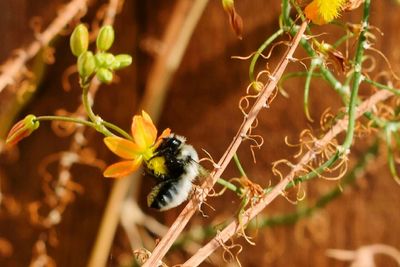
[{"x": 157, "y": 165}]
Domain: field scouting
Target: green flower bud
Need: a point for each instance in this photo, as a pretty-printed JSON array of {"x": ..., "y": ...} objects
[
  {"x": 22, "y": 129},
  {"x": 86, "y": 64},
  {"x": 258, "y": 86},
  {"x": 228, "y": 4},
  {"x": 105, "y": 38},
  {"x": 104, "y": 75},
  {"x": 79, "y": 40},
  {"x": 122, "y": 61},
  {"x": 104, "y": 60}
]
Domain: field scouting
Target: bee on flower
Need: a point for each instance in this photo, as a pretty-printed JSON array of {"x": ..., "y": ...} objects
[{"x": 172, "y": 162}]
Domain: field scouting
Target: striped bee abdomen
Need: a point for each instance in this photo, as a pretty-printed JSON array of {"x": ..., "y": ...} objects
[{"x": 169, "y": 194}]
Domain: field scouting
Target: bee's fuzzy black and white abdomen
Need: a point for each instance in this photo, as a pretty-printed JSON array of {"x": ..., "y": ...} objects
[{"x": 169, "y": 194}]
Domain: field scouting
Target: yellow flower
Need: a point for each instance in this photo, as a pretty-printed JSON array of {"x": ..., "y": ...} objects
[
  {"x": 323, "y": 11},
  {"x": 133, "y": 152}
]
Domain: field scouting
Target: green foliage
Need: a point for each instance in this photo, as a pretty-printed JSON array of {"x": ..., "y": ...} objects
[{"x": 102, "y": 64}]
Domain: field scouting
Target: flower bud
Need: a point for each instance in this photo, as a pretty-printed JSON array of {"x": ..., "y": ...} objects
[
  {"x": 234, "y": 18},
  {"x": 22, "y": 129},
  {"x": 122, "y": 61},
  {"x": 86, "y": 64},
  {"x": 257, "y": 86},
  {"x": 104, "y": 60},
  {"x": 228, "y": 5},
  {"x": 79, "y": 40},
  {"x": 104, "y": 75},
  {"x": 105, "y": 38}
]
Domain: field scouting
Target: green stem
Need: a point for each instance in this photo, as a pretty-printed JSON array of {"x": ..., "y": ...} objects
[
  {"x": 382, "y": 86},
  {"x": 260, "y": 51},
  {"x": 357, "y": 77},
  {"x": 67, "y": 119},
  {"x": 230, "y": 186},
  {"x": 342, "y": 39},
  {"x": 310, "y": 73},
  {"x": 290, "y": 75},
  {"x": 310, "y": 175},
  {"x": 390, "y": 154},
  {"x": 85, "y": 101},
  {"x": 327, "y": 75},
  {"x": 352, "y": 108},
  {"x": 286, "y": 14},
  {"x": 396, "y": 138},
  {"x": 239, "y": 165},
  {"x": 117, "y": 129},
  {"x": 99, "y": 123}
]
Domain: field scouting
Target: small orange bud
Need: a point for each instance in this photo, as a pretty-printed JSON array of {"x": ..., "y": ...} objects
[
  {"x": 22, "y": 129},
  {"x": 234, "y": 18}
]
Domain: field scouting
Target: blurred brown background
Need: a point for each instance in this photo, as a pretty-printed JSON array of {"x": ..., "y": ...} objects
[{"x": 202, "y": 105}]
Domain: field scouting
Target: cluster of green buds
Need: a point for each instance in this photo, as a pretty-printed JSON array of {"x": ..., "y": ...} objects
[{"x": 102, "y": 63}]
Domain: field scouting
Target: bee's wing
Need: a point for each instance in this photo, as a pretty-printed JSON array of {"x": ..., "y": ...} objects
[{"x": 203, "y": 172}]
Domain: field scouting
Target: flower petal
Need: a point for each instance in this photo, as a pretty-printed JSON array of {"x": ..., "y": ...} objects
[
  {"x": 143, "y": 130},
  {"x": 312, "y": 13},
  {"x": 329, "y": 10},
  {"x": 164, "y": 134},
  {"x": 123, "y": 168},
  {"x": 322, "y": 11},
  {"x": 122, "y": 147}
]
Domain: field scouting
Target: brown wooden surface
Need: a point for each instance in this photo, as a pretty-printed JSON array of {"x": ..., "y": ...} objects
[{"x": 201, "y": 105}]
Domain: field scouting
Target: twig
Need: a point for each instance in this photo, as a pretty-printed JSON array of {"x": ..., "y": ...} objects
[
  {"x": 176, "y": 39},
  {"x": 179, "y": 30},
  {"x": 14, "y": 65},
  {"x": 364, "y": 256},
  {"x": 249, "y": 214},
  {"x": 192, "y": 206}
]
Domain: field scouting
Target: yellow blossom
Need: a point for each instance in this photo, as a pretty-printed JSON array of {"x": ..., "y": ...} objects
[
  {"x": 135, "y": 151},
  {"x": 323, "y": 11}
]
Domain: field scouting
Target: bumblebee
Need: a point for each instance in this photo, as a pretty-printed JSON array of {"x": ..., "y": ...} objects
[{"x": 174, "y": 166}]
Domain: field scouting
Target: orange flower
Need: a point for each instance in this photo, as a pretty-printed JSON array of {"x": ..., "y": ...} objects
[{"x": 134, "y": 151}]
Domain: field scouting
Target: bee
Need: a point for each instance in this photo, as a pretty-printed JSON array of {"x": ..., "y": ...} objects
[{"x": 174, "y": 166}]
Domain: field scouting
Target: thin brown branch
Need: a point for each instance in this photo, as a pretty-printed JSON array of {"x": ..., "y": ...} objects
[
  {"x": 178, "y": 33},
  {"x": 364, "y": 256},
  {"x": 14, "y": 65},
  {"x": 177, "y": 36},
  {"x": 190, "y": 209},
  {"x": 250, "y": 213}
]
